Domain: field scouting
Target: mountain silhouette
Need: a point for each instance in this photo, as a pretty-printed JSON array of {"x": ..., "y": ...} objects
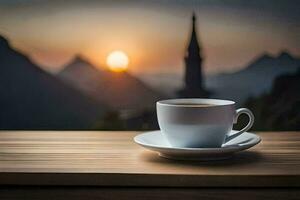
[
  {"x": 34, "y": 99},
  {"x": 120, "y": 90},
  {"x": 253, "y": 80}
]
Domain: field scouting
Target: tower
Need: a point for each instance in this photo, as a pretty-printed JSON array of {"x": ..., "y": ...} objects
[{"x": 193, "y": 68}]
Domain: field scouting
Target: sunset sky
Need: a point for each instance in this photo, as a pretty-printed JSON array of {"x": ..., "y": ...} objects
[{"x": 152, "y": 33}]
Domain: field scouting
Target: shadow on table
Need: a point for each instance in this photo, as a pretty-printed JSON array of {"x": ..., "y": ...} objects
[{"x": 240, "y": 158}]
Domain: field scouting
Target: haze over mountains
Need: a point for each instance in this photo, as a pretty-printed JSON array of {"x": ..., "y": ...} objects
[
  {"x": 34, "y": 99},
  {"x": 119, "y": 90},
  {"x": 253, "y": 80}
]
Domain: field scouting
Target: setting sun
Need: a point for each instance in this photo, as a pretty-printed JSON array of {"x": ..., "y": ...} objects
[{"x": 117, "y": 61}]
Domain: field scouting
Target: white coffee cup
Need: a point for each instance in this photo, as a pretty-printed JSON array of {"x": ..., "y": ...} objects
[{"x": 199, "y": 123}]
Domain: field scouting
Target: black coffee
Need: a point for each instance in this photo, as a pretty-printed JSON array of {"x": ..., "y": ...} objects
[{"x": 193, "y": 104}]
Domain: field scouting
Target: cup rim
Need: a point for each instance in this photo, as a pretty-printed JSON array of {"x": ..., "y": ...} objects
[{"x": 215, "y": 102}]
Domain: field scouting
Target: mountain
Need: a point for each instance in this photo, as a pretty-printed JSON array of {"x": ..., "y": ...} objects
[
  {"x": 253, "y": 80},
  {"x": 120, "y": 90},
  {"x": 34, "y": 99}
]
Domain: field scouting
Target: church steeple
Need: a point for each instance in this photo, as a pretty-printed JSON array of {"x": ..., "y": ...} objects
[
  {"x": 194, "y": 44},
  {"x": 193, "y": 67}
]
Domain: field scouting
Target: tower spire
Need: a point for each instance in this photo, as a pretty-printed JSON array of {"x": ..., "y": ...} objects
[
  {"x": 194, "y": 44},
  {"x": 193, "y": 67}
]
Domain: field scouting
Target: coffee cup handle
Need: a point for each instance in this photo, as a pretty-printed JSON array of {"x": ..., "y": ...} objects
[{"x": 246, "y": 128}]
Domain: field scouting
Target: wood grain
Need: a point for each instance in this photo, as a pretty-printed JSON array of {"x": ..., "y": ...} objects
[{"x": 112, "y": 159}]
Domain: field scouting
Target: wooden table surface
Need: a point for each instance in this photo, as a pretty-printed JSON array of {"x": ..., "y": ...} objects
[{"x": 95, "y": 158}]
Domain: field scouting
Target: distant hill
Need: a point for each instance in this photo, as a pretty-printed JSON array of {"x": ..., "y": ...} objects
[
  {"x": 254, "y": 79},
  {"x": 33, "y": 99},
  {"x": 118, "y": 90}
]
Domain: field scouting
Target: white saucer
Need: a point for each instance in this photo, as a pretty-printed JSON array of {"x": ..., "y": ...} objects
[{"x": 155, "y": 141}]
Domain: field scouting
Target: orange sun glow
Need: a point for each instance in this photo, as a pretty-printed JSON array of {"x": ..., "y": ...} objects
[{"x": 117, "y": 61}]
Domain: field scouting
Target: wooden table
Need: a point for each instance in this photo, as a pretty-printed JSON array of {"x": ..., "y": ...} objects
[{"x": 108, "y": 165}]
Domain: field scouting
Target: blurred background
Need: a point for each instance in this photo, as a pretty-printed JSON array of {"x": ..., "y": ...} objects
[{"x": 102, "y": 65}]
